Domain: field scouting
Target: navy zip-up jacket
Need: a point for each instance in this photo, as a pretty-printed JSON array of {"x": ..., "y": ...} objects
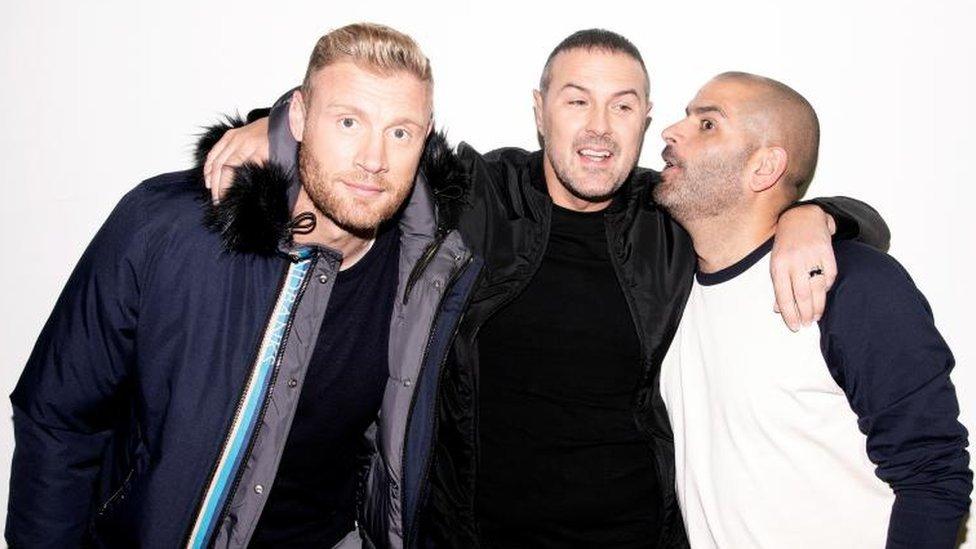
[
  {"x": 148, "y": 414},
  {"x": 135, "y": 376}
]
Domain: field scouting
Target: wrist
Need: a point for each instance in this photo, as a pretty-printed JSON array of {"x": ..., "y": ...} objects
[{"x": 812, "y": 213}]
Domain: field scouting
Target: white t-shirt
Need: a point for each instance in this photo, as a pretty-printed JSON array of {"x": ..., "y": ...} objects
[{"x": 768, "y": 451}]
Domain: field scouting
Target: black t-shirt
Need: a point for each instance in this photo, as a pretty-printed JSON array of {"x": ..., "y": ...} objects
[
  {"x": 562, "y": 462},
  {"x": 312, "y": 501}
]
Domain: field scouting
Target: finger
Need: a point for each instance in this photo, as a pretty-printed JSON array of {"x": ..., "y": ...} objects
[
  {"x": 783, "y": 288},
  {"x": 803, "y": 296},
  {"x": 208, "y": 164},
  {"x": 829, "y": 263},
  {"x": 215, "y": 191},
  {"x": 220, "y": 167},
  {"x": 215, "y": 188},
  {"x": 227, "y": 179},
  {"x": 818, "y": 290}
]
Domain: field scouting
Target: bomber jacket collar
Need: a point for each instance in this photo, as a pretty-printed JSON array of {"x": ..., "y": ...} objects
[{"x": 255, "y": 214}]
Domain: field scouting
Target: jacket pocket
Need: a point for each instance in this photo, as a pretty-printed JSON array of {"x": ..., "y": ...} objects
[
  {"x": 110, "y": 523},
  {"x": 117, "y": 497}
]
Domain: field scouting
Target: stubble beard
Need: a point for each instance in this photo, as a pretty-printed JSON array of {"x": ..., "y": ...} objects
[
  {"x": 563, "y": 171},
  {"x": 707, "y": 189},
  {"x": 357, "y": 216}
]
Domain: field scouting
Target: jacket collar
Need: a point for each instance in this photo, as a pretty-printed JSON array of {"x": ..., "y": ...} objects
[{"x": 255, "y": 214}]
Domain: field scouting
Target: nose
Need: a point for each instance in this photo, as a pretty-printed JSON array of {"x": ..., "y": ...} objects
[
  {"x": 599, "y": 122},
  {"x": 372, "y": 155},
  {"x": 670, "y": 134}
]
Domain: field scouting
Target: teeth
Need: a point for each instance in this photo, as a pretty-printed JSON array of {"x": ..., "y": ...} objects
[{"x": 595, "y": 154}]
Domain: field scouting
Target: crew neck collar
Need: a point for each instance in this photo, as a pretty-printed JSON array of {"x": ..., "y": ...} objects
[{"x": 737, "y": 268}]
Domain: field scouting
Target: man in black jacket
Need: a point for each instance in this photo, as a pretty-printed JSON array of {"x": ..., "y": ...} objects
[{"x": 550, "y": 426}]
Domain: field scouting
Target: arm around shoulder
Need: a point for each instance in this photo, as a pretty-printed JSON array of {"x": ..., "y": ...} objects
[{"x": 855, "y": 220}]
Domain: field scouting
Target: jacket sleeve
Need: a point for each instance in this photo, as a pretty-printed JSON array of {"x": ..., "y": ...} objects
[
  {"x": 855, "y": 220},
  {"x": 64, "y": 401},
  {"x": 881, "y": 345}
]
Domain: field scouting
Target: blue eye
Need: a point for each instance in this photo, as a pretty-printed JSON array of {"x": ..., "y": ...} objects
[{"x": 347, "y": 122}]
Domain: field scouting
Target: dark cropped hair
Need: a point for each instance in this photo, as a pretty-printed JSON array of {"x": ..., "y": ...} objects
[{"x": 594, "y": 39}]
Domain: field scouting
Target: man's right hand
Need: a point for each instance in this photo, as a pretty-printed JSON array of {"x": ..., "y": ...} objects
[{"x": 237, "y": 147}]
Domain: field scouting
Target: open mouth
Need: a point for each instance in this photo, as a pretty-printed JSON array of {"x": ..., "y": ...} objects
[
  {"x": 669, "y": 167},
  {"x": 595, "y": 155},
  {"x": 669, "y": 160}
]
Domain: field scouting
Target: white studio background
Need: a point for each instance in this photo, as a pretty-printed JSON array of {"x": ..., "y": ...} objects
[{"x": 100, "y": 95}]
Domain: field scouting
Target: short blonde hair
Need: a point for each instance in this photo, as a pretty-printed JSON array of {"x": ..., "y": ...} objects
[{"x": 374, "y": 47}]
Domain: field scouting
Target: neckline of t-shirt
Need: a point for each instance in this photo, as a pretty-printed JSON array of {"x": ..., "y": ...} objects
[
  {"x": 564, "y": 212},
  {"x": 737, "y": 268},
  {"x": 368, "y": 256},
  {"x": 363, "y": 254}
]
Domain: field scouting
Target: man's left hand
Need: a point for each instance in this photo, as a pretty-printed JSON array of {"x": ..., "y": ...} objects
[{"x": 802, "y": 264}]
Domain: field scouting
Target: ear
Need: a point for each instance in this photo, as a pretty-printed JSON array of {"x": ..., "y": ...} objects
[
  {"x": 767, "y": 167},
  {"x": 296, "y": 115},
  {"x": 647, "y": 116},
  {"x": 537, "y": 101},
  {"x": 430, "y": 127}
]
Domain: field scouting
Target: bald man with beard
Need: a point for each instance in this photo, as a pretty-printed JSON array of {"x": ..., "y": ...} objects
[{"x": 844, "y": 436}]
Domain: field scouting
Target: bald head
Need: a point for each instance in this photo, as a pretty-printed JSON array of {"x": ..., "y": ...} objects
[{"x": 779, "y": 116}]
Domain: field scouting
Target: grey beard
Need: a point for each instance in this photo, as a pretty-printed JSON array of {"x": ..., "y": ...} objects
[
  {"x": 702, "y": 192},
  {"x": 573, "y": 187}
]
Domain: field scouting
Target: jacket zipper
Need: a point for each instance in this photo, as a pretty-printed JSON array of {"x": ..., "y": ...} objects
[
  {"x": 425, "y": 258},
  {"x": 104, "y": 507},
  {"x": 267, "y": 397},
  {"x": 409, "y": 530},
  {"x": 237, "y": 410}
]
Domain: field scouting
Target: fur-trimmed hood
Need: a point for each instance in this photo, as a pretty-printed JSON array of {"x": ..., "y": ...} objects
[{"x": 254, "y": 216}]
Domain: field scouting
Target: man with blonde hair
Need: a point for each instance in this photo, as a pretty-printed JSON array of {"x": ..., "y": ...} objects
[{"x": 209, "y": 372}]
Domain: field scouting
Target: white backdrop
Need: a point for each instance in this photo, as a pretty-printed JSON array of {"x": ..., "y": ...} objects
[{"x": 100, "y": 95}]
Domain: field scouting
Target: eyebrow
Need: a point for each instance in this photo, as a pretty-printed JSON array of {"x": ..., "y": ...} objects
[
  {"x": 705, "y": 109},
  {"x": 628, "y": 91},
  {"x": 406, "y": 121},
  {"x": 343, "y": 107}
]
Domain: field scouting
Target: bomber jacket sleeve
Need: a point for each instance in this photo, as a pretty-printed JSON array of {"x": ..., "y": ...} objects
[
  {"x": 855, "y": 220},
  {"x": 65, "y": 400},
  {"x": 881, "y": 345}
]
